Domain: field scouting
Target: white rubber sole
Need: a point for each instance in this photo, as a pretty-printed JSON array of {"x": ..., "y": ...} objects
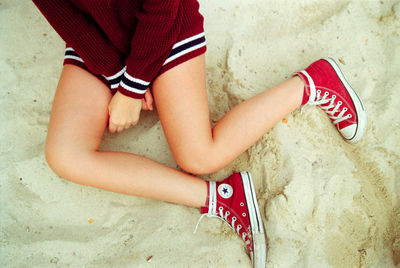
[
  {"x": 360, "y": 109},
  {"x": 259, "y": 255}
]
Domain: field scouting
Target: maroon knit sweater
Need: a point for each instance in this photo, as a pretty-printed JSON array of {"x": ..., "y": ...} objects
[{"x": 126, "y": 41}]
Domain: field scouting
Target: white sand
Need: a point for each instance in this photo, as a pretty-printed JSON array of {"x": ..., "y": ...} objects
[{"x": 325, "y": 203}]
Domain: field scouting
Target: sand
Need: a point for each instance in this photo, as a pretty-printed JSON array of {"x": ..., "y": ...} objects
[{"x": 325, "y": 203}]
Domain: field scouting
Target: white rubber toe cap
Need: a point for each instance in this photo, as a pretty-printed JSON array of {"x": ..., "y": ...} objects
[{"x": 349, "y": 132}]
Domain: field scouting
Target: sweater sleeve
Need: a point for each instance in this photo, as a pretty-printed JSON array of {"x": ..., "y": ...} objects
[
  {"x": 80, "y": 31},
  {"x": 156, "y": 32}
]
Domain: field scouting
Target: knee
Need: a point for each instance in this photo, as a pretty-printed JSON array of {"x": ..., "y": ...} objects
[
  {"x": 56, "y": 159},
  {"x": 62, "y": 160},
  {"x": 200, "y": 163}
]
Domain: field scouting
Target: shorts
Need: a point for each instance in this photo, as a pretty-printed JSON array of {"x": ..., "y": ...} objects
[{"x": 187, "y": 46}]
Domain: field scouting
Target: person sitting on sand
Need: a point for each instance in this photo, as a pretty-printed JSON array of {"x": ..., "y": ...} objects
[{"x": 120, "y": 55}]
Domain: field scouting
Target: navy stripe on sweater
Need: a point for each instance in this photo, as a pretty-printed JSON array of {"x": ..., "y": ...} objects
[
  {"x": 186, "y": 46},
  {"x": 71, "y": 54},
  {"x": 134, "y": 84}
]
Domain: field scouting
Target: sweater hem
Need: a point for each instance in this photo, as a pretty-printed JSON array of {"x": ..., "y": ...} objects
[{"x": 182, "y": 59}]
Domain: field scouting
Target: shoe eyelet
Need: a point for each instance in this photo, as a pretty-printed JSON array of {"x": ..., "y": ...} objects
[
  {"x": 234, "y": 218},
  {"x": 345, "y": 109},
  {"x": 340, "y": 102},
  {"x": 227, "y": 213},
  {"x": 244, "y": 214},
  {"x": 239, "y": 226},
  {"x": 326, "y": 93},
  {"x": 349, "y": 116},
  {"x": 333, "y": 96},
  {"x": 241, "y": 204},
  {"x": 220, "y": 209},
  {"x": 318, "y": 91}
]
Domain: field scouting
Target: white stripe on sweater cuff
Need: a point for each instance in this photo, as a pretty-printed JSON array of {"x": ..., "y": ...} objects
[
  {"x": 133, "y": 84},
  {"x": 115, "y": 79},
  {"x": 71, "y": 54}
]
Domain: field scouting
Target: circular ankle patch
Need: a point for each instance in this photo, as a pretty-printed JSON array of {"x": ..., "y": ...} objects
[{"x": 225, "y": 190}]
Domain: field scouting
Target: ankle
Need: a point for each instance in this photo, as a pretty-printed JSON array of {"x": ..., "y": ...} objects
[
  {"x": 202, "y": 199},
  {"x": 304, "y": 88}
]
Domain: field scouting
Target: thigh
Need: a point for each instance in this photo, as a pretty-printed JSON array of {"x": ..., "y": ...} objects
[
  {"x": 181, "y": 98},
  {"x": 79, "y": 114}
]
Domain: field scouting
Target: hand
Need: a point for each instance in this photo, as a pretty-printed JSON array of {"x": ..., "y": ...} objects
[{"x": 124, "y": 112}]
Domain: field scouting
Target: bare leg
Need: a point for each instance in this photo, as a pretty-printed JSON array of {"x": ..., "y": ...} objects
[
  {"x": 78, "y": 120},
  {"x": 181, "y": 100}
]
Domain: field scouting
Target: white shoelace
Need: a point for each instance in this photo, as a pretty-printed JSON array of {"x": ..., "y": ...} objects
[
  {"x": 317, "y": 99},
  {"x": 212, "y": 204},
  {"x": 328, "y": 105}
]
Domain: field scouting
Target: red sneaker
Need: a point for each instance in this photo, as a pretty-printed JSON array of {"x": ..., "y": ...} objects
[
  {"x": 327, "y": 87},
  {"x": 233, "y": 200}
]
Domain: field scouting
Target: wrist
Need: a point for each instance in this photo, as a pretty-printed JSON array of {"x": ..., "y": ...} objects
[
  {"x": 132, "y": 87},
  {"x": 115, "y": 79},
  {"x": 126, "y": 99},
  {"x": 129, "y": 94}
]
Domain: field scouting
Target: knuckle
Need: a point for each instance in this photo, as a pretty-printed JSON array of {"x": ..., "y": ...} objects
[{"x": 118, "y": 123}]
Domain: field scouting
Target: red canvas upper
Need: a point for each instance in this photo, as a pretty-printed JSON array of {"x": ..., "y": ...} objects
[
  {"x": 328, "y": 86},
  {"x": 232, "y": 207}
]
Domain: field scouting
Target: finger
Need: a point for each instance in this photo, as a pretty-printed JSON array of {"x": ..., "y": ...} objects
[
  {"x": 144, "y": 105},
  {"x": 112, "y": 127},
  {"x": 127, "y": 125},
  {"x": 150, "y": 105},
  {"x": 149, "y": 100},
  {"x": 134, "y": 123},
  {"x": 120, "y": 129}
]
